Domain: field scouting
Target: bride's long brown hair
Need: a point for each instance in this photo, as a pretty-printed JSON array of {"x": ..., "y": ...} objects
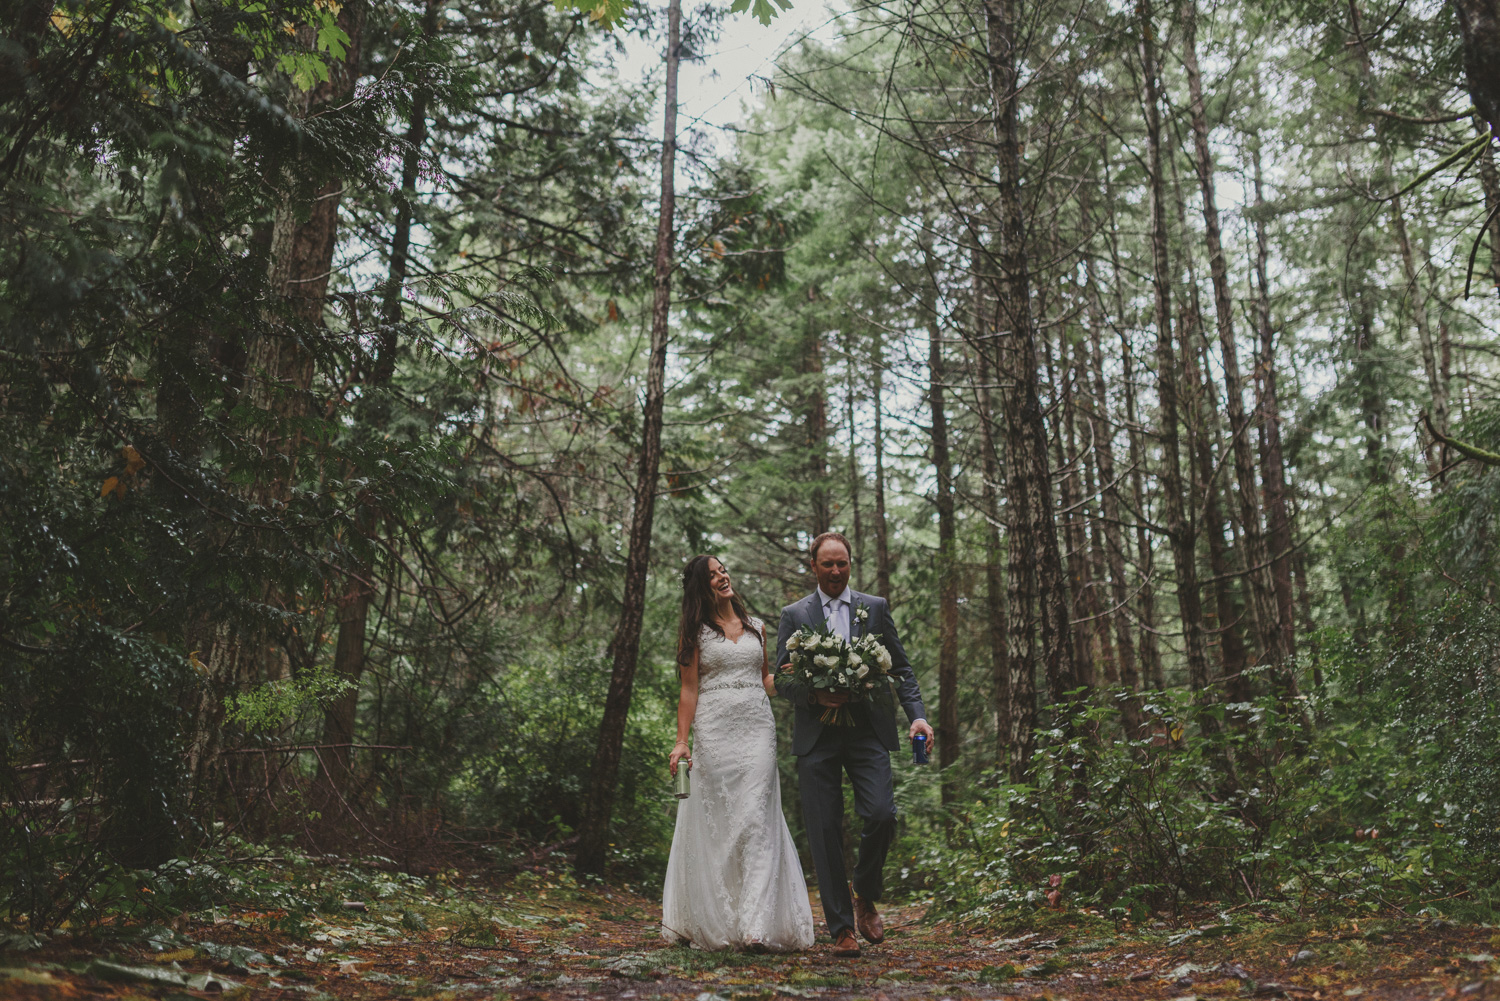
[{"x": 698, "y": 605}]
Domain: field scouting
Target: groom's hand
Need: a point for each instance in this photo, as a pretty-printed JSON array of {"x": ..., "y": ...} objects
[
  {"x": 831, "y": 699},
  {"x": 921, "y": 729}
]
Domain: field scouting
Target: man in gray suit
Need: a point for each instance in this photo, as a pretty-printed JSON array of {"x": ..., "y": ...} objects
[{"x": 825, "y": 752}]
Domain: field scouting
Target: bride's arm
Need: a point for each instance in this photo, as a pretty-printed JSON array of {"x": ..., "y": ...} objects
[
  {"x": 767, "y": 679},
  {"x": 687, "y": 708}
]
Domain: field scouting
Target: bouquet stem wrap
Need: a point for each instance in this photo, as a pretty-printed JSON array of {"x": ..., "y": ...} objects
[{"x": 836, "y": 716}]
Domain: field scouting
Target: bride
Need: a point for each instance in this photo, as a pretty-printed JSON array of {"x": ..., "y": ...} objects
[{"x": 733, "y": 878}]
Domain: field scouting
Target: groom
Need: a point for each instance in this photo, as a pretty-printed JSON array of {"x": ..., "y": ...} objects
[{"x": 863, "y": 750}]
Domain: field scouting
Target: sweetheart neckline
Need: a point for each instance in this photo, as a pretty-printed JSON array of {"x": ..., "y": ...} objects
[{"x": 725, "y": 636}]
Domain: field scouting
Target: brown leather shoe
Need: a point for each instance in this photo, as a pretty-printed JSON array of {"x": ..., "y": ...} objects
[
  {"x": 846, "y": 946},
  {"x": 867, "y": 919}
]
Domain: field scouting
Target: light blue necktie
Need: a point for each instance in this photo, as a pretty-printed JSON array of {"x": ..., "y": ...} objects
[{"x": 837, "y": 620}]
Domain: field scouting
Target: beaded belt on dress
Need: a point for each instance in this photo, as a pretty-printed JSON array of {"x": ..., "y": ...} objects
[{"x": 711, "y": 686}]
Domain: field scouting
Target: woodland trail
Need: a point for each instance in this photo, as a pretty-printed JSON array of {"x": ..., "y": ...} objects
[{"x": 539, "y": 939}]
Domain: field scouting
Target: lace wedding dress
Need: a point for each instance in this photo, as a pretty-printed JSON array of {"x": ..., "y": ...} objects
[{"x": 733, "y": 878}]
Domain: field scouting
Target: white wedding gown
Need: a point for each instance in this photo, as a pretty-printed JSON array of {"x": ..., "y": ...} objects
[{"x": 733, "y": 878}]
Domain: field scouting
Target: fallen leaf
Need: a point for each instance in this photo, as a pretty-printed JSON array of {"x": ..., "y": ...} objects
[{"x": 120, "y": 973}]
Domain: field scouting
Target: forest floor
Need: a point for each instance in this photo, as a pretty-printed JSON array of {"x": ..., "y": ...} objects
[{"x": 540, "y": 937}]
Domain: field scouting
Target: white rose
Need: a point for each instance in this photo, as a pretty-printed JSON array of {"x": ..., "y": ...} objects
[
  {"x": 823, "y": 661},
  {"x": 794, "y": 642},
  {"x": 863, "y": 670}
]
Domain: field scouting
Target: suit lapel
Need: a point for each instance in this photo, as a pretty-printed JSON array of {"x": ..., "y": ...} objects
[
  {"x": 819, "y": 619},
  {"x": 856, "y": 627}
]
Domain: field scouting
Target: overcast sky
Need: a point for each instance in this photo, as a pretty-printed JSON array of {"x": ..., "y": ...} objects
[{"x": 715, "y": 93}]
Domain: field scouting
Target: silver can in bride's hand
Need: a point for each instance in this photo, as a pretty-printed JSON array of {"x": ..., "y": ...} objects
[{"x": 682, "y": 785}]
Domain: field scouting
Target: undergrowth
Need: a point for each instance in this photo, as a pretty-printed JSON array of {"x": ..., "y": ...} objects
[{"x": 1311, "y": 804}]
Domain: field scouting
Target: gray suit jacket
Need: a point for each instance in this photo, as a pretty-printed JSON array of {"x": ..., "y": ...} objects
[{"x": 806, "y": 727}]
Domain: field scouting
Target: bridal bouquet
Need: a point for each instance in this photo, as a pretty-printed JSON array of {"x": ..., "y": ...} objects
[{"x": 824, "y": 661}]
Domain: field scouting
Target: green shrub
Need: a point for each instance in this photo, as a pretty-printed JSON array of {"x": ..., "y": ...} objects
[{"x": 1347, "y": 815}]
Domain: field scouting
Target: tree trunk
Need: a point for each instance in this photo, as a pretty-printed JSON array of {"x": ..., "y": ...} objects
[
  {"x": 1479, "y": 28},
  {"x": 1150, "y": 649},
  {"x": 27, "y": 25},
  {"x": 281, "y": 369},
  {"x": 1109, "y": 504},
  {"x": 1417, "y": 295},
  {"x": 400, "y": 267},
  {"x": 348, "y": 665},
  {"x": 301, "y": 255},
  {"x": 1035, "y": 563},
  {"x": 947, "y": 570},
  {"x": 301, "y": 258},
  {"x": 1304, "y": 607},
  {"x": 1371, "y": 399},
  {"x": 817, "y": 426},
  {"x": 1180, "y": 527},
  {"x": 994, "y": 576},
  {"x": 1270, "y": 634},
  {"x": 186, "y": 380},
  {"x": 359, "y": 592},
  {"x": 1366, "y": 368},
  {"x": 882, "y": 538},
  {"x": 1201, "y": 404},
  {"x": 1070, "y": 499},
  {"x": 1090, "y": 530},
  {"x": 1145, "y": 554},
  {"x": 1272, "y": 466},
  {"x": 593, "y": 834},
  {"x": 1233, "y": 655},
  {"x": 1489, "y": 179},
  {"x": 854, "y": 477}
]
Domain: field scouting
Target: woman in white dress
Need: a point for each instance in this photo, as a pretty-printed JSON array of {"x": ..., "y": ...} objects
[{"x": 733, "y": 878}]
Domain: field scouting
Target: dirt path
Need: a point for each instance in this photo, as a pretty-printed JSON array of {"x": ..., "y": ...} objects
[{"x": 539, "y": 939}]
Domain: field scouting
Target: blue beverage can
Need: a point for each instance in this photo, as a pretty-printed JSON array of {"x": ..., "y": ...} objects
[{"x": 919, "y": 750}]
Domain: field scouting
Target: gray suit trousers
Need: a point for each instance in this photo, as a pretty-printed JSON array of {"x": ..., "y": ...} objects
[{"x": 859, "y": 753}]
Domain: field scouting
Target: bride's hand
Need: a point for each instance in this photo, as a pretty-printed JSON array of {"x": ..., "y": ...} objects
[{"x": 680, "y": 752}]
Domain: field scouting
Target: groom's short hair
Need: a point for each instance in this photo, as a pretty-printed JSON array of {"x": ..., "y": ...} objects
[{"x": 812, "y": 551}]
